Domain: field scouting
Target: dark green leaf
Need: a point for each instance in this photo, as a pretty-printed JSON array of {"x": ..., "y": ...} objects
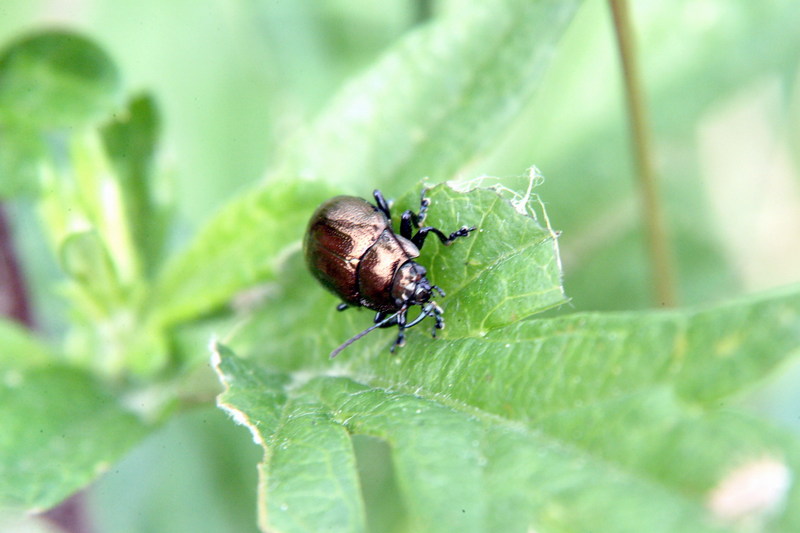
[{"x": 547, "y": 423}]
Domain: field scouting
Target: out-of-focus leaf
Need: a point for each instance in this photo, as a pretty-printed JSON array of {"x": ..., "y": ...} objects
[
  {"x": 20, "y": 349},
  {"x": 56, "y": 79},
  {"x": 425, "y": 109},
  {"x": 130, "y": 142},
  {"x": 576, "y": 131},
  {"x": 60, "y": 430}
]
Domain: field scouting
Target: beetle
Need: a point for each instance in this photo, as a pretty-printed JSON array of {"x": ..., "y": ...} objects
[{"x": 351, "y": 249}]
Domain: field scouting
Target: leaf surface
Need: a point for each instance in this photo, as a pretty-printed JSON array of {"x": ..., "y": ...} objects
[{"x": 547, "y": 424}]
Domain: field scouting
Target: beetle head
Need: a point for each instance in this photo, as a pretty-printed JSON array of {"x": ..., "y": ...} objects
[{"x": 410, "y": 286}]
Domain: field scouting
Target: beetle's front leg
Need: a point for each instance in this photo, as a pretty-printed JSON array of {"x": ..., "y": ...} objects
[
  {"x": 401, "y": 334},
  {"x": 422, "y": 234},
  {"x": 380, "y": 316},
  {"x": 342, "y": 306},
  {"x": 438, "y": 317}
]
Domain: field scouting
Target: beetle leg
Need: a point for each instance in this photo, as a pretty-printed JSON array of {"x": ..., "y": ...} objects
[
  {"x": 342, "y": 306},
  {"x": 424, "y": 202},
  {"x": 383, "y": 205},
  {"x": 408, "y": 221},
  {"x": 422, "y": 234},
  {"x": 401, "y": 326},
  {"x": 380, "y": 316},
  {"x": 438, "y": 316}
]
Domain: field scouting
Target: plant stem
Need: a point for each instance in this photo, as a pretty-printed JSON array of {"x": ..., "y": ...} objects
[
  {"x": 14, "y": 302},
  {"x": 652, "y": 210}
]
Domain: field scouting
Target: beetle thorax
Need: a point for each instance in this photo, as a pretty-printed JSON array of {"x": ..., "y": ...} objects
[{"x": 410, "y": 286}]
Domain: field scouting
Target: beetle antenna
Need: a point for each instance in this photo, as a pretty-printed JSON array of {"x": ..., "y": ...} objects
[{"x": 351, "y": 340}]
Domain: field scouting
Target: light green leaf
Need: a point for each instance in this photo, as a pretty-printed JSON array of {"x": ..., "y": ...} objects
[
  {"x": 545, "y": 424},
  {"x": 436, "y": 100},
  {"x": 243, "y": 245},
  {"x": 60, "y": 430}
]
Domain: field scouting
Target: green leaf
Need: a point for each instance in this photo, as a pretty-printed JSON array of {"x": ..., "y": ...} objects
[
  {"x": 436, "y": 100},
  {"x": 243, "y": 245},
  {"x": 311, "y": 458},
  {"x": 56, "y": 79},
  {"x": 541, "y": 424},
  {"x": 428, "y": 107},
  {"x": 506, "y": 270},
  {"x": 60, "y": 430}
]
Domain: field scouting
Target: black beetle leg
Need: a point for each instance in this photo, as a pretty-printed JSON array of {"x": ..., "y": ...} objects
[
  {"x": 380, "y": 316},
  {"x": 439, "y": 290},
  {"x": 438, "y": 316},
  {"x": 422, "y": 234},
  {"x": 408, "y": 221},
  {"x": 383, "y": 205},
  {"x": 401, "y": 326},
  {"x": 424, "y": 202},
  {"x": 342, "y": 306}
]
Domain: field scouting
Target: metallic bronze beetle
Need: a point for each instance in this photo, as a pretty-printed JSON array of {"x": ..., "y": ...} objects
[{"x": 351, "y": 249}]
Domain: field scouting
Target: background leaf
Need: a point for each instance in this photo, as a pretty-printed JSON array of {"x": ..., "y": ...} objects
[
  {"x": 61, "y": 428},
  {"x": 243, "y": 245},
  {"x": 715, "y": 71}
]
